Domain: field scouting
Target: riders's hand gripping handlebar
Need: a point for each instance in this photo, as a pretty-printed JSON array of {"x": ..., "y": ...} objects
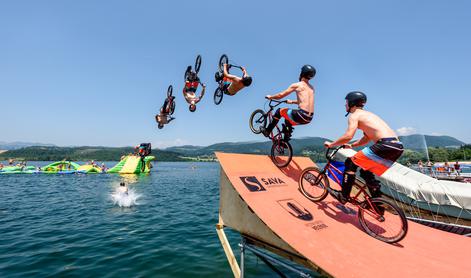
[{"x": 331, "y": 152}]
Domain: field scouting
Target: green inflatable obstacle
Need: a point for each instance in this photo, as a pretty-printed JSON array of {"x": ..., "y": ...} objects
[
  {"x": 133, "y": 164},
  {"x": 59, "y": 167}
]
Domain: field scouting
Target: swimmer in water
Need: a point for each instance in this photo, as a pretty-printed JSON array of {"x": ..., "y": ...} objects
[{"x": 123, "y": 188}]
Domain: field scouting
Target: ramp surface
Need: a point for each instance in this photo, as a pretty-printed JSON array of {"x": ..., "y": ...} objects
[{"x": 323, "y": 233}]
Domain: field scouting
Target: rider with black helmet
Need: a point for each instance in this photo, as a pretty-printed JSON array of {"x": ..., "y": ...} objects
[
  {"x": 305, "y": 101},
  {"x": 375, "y": 159},
  {"x": 233, "y": 83}
]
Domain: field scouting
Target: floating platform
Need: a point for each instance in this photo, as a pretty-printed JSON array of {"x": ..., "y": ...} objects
[{"x": 263, "y": 203}]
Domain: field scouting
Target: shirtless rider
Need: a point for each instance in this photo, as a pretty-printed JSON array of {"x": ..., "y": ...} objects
[
  {"x": 375, "y": 159},
  {"x": 305, "y": 101}
]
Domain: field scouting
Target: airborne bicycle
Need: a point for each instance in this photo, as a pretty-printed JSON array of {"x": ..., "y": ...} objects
[
  {"x": 281, "y": 150},
  {"x": 221, "y": 90}
]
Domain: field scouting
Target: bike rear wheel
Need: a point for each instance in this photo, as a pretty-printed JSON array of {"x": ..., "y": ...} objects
[
  {"x": 313, "y": 184},
  {"x": 281, "y": 153},
  {"x": 169, "y": 91},
  {"x": 172, "y": 107},
  {"x": 218, "y": 94},
  {"x": 385, "y": 221},
  {"x": 198, "y": 63},
  {"x": 223, "y": 60},
  {"x": 258, "y": 119}
]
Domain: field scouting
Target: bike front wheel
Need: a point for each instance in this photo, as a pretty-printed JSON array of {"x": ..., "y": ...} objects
[
  {"x": 223, "y": 60},
  {"x": 218, "y": 94},
  {"x": 383, "y": 220},
  {"x": 169, "y": 91},
  {"x": 281, "y": 153},
  {"x": 313, "y": 184},
  {"x": 258, "y": 119},
  {"x": 198, "y": 64}
]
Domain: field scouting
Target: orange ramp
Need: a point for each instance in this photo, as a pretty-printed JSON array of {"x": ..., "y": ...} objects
[{"x": 263, "y": 202}]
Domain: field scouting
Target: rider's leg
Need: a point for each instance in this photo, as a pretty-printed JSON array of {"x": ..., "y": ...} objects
[
  {"x": 349, "y": 177},
  {"x": 347, "y": 182},
  {"x": 274, "y": 122},
  {"x": 373, "y": 184}
]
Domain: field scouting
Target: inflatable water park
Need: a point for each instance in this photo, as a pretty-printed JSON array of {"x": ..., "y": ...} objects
[{"x": 138, "y": 163}]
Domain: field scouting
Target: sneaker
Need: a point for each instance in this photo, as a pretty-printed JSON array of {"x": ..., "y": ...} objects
[{"x": 339, "y": 196}]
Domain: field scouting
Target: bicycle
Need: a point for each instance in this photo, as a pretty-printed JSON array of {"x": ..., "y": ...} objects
[
  {"x": 197, "y": 67},
  {"x": 170, "y": 103},
  {"x": 258, "y": 120},
  {"x": 378, "y": 217},
  {"x": 222, "y": 89}
]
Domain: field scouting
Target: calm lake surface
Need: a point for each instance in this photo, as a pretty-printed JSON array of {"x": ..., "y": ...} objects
[{"x": 68, "y": 225}]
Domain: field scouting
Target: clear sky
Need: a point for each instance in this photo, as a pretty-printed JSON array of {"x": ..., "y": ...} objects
[{"x": 96, "y": 72}]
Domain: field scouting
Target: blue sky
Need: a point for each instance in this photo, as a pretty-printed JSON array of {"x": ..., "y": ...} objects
[{"x": 96, "y": 72}]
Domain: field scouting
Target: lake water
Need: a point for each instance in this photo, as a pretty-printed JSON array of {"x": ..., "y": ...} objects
[{"x": 68, "y": 225}]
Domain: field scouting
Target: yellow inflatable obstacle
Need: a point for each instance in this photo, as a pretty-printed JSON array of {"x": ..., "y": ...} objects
[
  {"x": 133, "y": 164},
  {"x": 89, "y": 169}
]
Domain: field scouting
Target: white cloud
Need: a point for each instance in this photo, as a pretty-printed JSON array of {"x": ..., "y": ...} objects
[{"x": 406, "y": 130}]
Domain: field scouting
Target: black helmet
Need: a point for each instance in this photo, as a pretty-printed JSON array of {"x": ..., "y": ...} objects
[
  {"x": 192, "y": 107},
  {"x": 356, "y": 98},
  {"x": 247, "y": 80},
  {"x": 307, "y": 71}
]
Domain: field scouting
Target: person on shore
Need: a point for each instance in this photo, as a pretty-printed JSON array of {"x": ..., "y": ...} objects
[
  {"x": 457, "y": 168},
  {"x": 305, "y": 101},
  {"x": 447, "y": 168},
  {"x": 233, "y": 83},
  {"x": 430, "y": 167},
  {"x": 372, "y": 160},
  {"x": 192, "y": 82},
  {"x": 421, "y": 166},
  {"x": 123, "y": 189}
]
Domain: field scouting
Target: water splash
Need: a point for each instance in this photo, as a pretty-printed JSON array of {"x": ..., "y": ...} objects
[{"x": 126, "y": 200}]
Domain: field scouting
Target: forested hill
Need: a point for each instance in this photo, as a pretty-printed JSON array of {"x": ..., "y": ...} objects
[{"x": 81, "y": 154}]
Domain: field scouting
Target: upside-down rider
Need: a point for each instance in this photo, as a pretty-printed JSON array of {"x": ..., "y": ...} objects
[
  {"x": 163, "y": 118},
  {"x": 305, "y": 101},
  {"x": 189, "y": 91},
  {"x": 375, "y": 159},
  {"x": 233, "y": 83}
]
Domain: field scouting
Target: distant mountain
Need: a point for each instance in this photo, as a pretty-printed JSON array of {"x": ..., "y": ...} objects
[
  {"x": 419, "y": 142},
  {"x": 19, "y": 145},
  {"x": 300, "y": 145}
]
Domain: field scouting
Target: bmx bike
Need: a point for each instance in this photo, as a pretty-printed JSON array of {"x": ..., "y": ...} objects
[{"x": 378, "y": 217}]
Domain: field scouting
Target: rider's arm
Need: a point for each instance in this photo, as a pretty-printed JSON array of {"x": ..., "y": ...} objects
[
  {"x": 227, "y": 75},
  {"x": 286, "y": 92},
  {"x": 363, "y": 141},
  {"x": 347, "y": 137},
  {"x": 202, "y": 92},
  {"x": 244, "y": 71}
]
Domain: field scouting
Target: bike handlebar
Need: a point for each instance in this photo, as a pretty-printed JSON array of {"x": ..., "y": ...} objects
[{"x": 333, "y": 152}]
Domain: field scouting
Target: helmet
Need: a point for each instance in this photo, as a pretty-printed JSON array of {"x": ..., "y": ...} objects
[
  {"x": 192, "y": 107},
  {"x": 247, "y": 80},
  {"x": 356, "y": 98},
  {"x": 307, "y": 71}
]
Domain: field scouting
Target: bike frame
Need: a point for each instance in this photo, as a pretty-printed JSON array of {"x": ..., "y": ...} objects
[
  {"x": 274, "y": 136},
  {"x": 362, "y": 188}
]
